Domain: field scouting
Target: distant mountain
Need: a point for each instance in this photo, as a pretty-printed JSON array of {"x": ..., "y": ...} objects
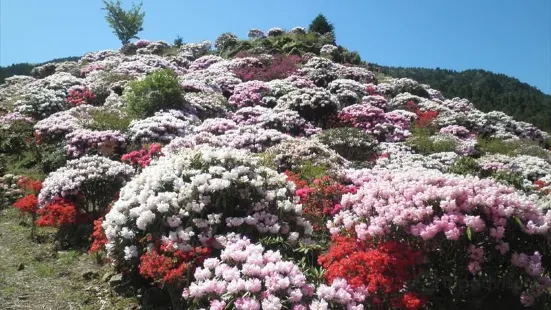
[
  {"x": 25, "y": 68},
  {"x": 488, "y": 91}
]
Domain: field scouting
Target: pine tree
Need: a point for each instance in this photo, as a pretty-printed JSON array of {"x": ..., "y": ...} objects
[
  {"x": 321, "y": 25},
  {"x": 125, "y": 24}
]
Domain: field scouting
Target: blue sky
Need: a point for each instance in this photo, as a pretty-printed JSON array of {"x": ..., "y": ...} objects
[{"x": 504, "y": 36}]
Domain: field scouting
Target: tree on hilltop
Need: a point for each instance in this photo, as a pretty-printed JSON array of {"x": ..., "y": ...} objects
[
  {"x": 125, "y": 24},
  {"x": 321, "y": 25}
]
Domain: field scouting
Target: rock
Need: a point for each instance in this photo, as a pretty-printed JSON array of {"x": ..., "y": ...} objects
[
  {"x": 23, "y": 297},
  {"x": 20, "y": 267},
  {"x": 115, "y": 280},
  {"x": 107, "y": 276},
  {"x": 90, "y": 274}
]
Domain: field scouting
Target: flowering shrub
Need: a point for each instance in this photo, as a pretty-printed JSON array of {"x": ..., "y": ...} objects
[
  {"x": 58, "y": 213},
  {"x": 480, "y": 222},
  {"x": 41, "y": 102},
  {"x": 197, "y": 193},
  {"x": 314, "y": 104},
  {"x": 216, "y": 126},
  {"x": 83, "y": 141},
  {"x": 163, "y": 126},
  {"x": 82, "y": 180},
  {"x": 80, "y": 95},
  {"x": 350, "y": 143},
  {"x": 246, "y": 276},
  {"x": 279, "y": 67},
  {"x": 248, "y": 94},
  {"x": 29, "y": 204},
  {"x": 224, "y": 41},
  {"x": 206, "y": 105},
  {"x": 377, "y": 272},
  {"x": 391, "y": 126},
  {"x": 143, "y": 157},
  {"x": 424, "y": 118},
  {"x": 286, "y": 121},
  {"x": 9, "y": 190},
  {"x": 348, "y": 92},
  {"x": 320, "y": 198}
]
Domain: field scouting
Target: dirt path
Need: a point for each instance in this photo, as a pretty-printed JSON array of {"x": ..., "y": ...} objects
[{"x": 34, "y": 276}]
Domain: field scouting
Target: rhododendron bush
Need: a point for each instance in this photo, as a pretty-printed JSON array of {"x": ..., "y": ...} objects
[{"x": 462, "y": 224}]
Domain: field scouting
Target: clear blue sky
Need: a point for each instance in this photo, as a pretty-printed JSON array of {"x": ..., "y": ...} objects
[{"x": 504, "y": 36}]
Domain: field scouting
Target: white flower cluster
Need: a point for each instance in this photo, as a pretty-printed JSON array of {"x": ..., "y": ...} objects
[
  {"x": 41, "y": 102},
  {"x": 314, "y": 104},
  {"x": 155, "y": 48},
  {"x": 92, "y": 175},
  {"x": 9, "y": 190},
  {"x": 348, "y": 92},
  {"x": 83, "y": 141},
  {"x": 187, "y": 198},
  {"x": 276, "y": 31},
  {"x": 530, "y": 167},
  {"x": 193, "y": 51},
  {"x": 206, "y": 105},
  {"x": 286, "y": 121},
  {"x": 161, "y": 127},
  {"x": 328, "y": 49},
  {"x": 59, "y": 124}
]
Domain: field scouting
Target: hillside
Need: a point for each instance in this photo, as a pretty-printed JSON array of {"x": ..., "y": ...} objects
[
  {"x": 26, "y": 68},
  {"x": 489, "y": 91},
  {"x": 276, "y": 172}
]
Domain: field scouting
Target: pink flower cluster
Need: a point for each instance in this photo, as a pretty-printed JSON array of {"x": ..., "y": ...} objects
[
  {"x": 532, "y": 265},
  {"x": 392, "y": 126},
  {"x": 248, "y": 277},
  {"x": 216, "y": 126},
  {"x": 82, "y": 141},
  {"x": 456, "y": 130},
  {"x": 249, "y": 94}
]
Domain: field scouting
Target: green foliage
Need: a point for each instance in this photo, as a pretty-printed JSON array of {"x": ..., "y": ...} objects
[
  {"x": 52, "y": 157},
  {"x": 310, "y": 171},
  {"x": 321, "y": 25},
  {"x": 422, "y": 142},
  {"x": 109, "y": 120},
  {"x": 508, "y": 178},
  {"x": 179, "y": 41},
  {"x": 159, "y": 90},
  {"x": 465, "y": 166},
  {"x": 350, "y": 143},
  {"x": 486, "y": 90},
  {"x": 125, "y": 24},
  {"x": 513, "y": 148},
  {"x": 14, "y": 139}
]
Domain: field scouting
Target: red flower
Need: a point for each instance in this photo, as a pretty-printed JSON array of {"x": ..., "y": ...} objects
[
  {"x": 58, "y": 213},
  {"x": 27, "y": 204}
]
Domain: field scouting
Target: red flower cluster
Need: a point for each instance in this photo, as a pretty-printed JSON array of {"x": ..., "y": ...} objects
[
  {"x": 142, "y": 158},
  {"x": 98, "y": 236},
  {"x": 58, "y": 213},
  {"x": 29, "y": 185},
  {"x": 424, "y": 118},
  {"x": 384, "y": 269},
  {"x": 320, "y": 199},
  {"x": 169, "y": 266},
  {"x": 541, "y": 184},
  {"x": 27, "y": 204},
  {"x": 371, "y": 90},
  {"x": 281, "y": 67},
  {"x": 78, "y": 97}
]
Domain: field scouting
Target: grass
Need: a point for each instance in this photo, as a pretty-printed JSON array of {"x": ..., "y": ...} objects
[{"x": 49, "y": 279}]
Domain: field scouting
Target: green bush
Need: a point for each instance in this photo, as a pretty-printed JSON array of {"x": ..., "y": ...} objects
[
  {"x": 513, "y": 148},
  {"x": 350, "y": 143},
  {"x": 159, "y": 90},
  {"x": 422, "y": 142},
  {"x": 109, "y": 120},
  {"x": 465, "y": 166},
  {"x": 515, "y": 180},
  {"x": 15, "y": 139}
]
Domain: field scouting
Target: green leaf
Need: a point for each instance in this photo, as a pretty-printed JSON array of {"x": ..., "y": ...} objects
[{"x": 469, "y": 233}]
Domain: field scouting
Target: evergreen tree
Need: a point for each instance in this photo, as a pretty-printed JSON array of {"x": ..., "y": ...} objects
[
  {"x": 125, "y": 24},
  {"x": 320, "y": 25}
]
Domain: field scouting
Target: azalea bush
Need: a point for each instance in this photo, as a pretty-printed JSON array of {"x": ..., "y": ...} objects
[
  {"x": 469, "y": 230},
  {"x": 279, "y": 67}
]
